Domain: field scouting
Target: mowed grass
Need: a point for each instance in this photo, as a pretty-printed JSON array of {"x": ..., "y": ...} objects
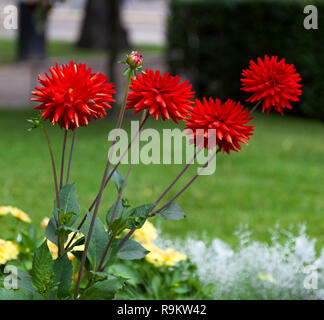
[
  {"x": 68, "y": 50},
  {"x": 278, "y": 178}
]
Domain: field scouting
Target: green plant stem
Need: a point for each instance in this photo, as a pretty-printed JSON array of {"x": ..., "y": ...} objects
[
  {"x": 175, "y": 180},
  {"x": 63, "y": 158},
  {"x": 113, "y": 217},
  {"x": 255, "y": 106},
  {"x": 102, "y": 187},
  {"x": 109, "y": 177},
  {"x": 59, "y": 246},
  {"x": 188, "y": 184},
  {"x": 70, "y": 157}
]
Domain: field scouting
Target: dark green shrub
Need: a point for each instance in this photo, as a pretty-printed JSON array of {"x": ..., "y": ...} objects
[{"x": 212, "y": 41}]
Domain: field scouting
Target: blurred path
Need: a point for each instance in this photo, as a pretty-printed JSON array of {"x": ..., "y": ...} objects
[
  {"x": 145, "y": 20},
  {"x": 17, "y": 80}
]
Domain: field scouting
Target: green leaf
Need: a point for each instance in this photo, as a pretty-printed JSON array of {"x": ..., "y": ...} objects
[
  {"x": 43, "y": 270},
  {"x": 131, "y": 275},
  {"x": 132, "y": 250},
  {"x": 117, "y": 214},
  {"x": 126, "y": 72},
  {"x": 6, "y": 294},
  {"x": 25, "y": 284},
  {"x": 103, "y": 290},
  {"x": 70, "y": 208},
  {"x": 156, "y": 284},
  {"x": 172, "y": 212},
  {"x": 136, "y": 217},
  {"x": 98, "y": 242},
  {"x": 118, "y": 179},
  {"x": 50, "y": 232},
  {"x": 64, "y": 272}
]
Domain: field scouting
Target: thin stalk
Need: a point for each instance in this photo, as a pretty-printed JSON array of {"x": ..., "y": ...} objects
[
  {"x": 70, "y": 157},
  {"x": 128, "y": 235},
  {"x": 59, "y": 246},
  {"x": 255, "y": 106},
  {"x": 63, "y": 159},
  {"x": 113, "y": 217},
  {"x": 175, "y": 180},
  {"x": 102, "y": 187},
  {"x": 187, "y": 185},
  {"x": 108, "y": 179}
]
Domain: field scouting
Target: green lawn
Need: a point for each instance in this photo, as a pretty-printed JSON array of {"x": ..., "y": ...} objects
[
  {"x": 278, "y": 178},
  {"x": 58, "y": 49}
]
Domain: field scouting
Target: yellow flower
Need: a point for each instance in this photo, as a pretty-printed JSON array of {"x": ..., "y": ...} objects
[
  {"x": 146, "y": 234},
  {"x": 159, "y": 257},
  {"x": 8, "y": 251},
  {"x": 45, "y": 222},
  {"x": 266, "y": 277},
  {"x": 19, "y": 214},
  {"x": 148, "y": 192},
  {"x": 54, "y": 250}
]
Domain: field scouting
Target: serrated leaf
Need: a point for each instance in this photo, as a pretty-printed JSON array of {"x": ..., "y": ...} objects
[
  {"x": 172, "y": 212},
  {"x": 98, "y": 242},
  {"x": 111, "y": 210},
  {"x": 69, "y": 199},
  {"x": 64, "y": 272},
  {"x": 132, "y": 250},
  {"x": 25, "y": 284},
  {"x": 118, "y": 179},
  {"x": 50, "y": 232},
  {"x": 6, "y": 294},
  {"x": 136, "y": 217},
  {"x": 43, "y": 269},
  {"x": 131, "y": 275},
  {"x": 103, "y": 290}
]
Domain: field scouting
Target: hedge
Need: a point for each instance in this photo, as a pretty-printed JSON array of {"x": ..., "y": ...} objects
[{"x": 213, "y": 41}]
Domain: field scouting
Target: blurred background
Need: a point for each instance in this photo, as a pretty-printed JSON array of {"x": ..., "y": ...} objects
[{"x": 276, "y": 180}]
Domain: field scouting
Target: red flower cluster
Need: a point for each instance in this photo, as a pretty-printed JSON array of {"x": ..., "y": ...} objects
[
  {"x": 274, "y": 82},
  {"x": 161, "y": 95},
  {"x": 229, "y": 120},
  {"x": 73, "y": 95}
]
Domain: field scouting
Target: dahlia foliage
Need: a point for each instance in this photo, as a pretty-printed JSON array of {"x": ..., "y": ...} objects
[{"x": 71, "y": 96}]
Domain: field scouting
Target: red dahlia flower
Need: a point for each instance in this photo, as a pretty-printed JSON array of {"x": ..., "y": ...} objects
[
  {"x": 229, "y": 120},
  {"x": 274, "y": 82},
  {"x": 73, "y": 95},
  {"x": 161, "y": 95}
]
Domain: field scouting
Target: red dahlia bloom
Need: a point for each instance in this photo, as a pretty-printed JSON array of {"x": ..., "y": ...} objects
[
  {"x": 161, "y": 95},
  {"x": 274, "y": 82},
  {"x": 72, "y": 95},
  {"x": 229, "y": 120}
]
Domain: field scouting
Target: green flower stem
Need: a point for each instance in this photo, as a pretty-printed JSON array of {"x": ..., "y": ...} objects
[
  {"x": 255, "y": 106},
  {"x": 113, "y": 217},
  {"x": 109, "y": 177},
  {"x": 175, "y": 180},
  {"x": 55, "y": 184},
  {"x": 63, "y": 158},
  {"x": 70, "y": 158},
  {"x": 187, "y": 185},
  {"x": 128, "y": 235},
  {"x": 102, "y": 187}
]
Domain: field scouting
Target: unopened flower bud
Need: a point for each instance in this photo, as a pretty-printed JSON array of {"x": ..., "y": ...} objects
[{"x": 134, "y": 59}]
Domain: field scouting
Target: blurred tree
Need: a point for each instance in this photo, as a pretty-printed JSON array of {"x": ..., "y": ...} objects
[
  {"x": 101, "y": 17},
  {"x": 31, "y": 32}
]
